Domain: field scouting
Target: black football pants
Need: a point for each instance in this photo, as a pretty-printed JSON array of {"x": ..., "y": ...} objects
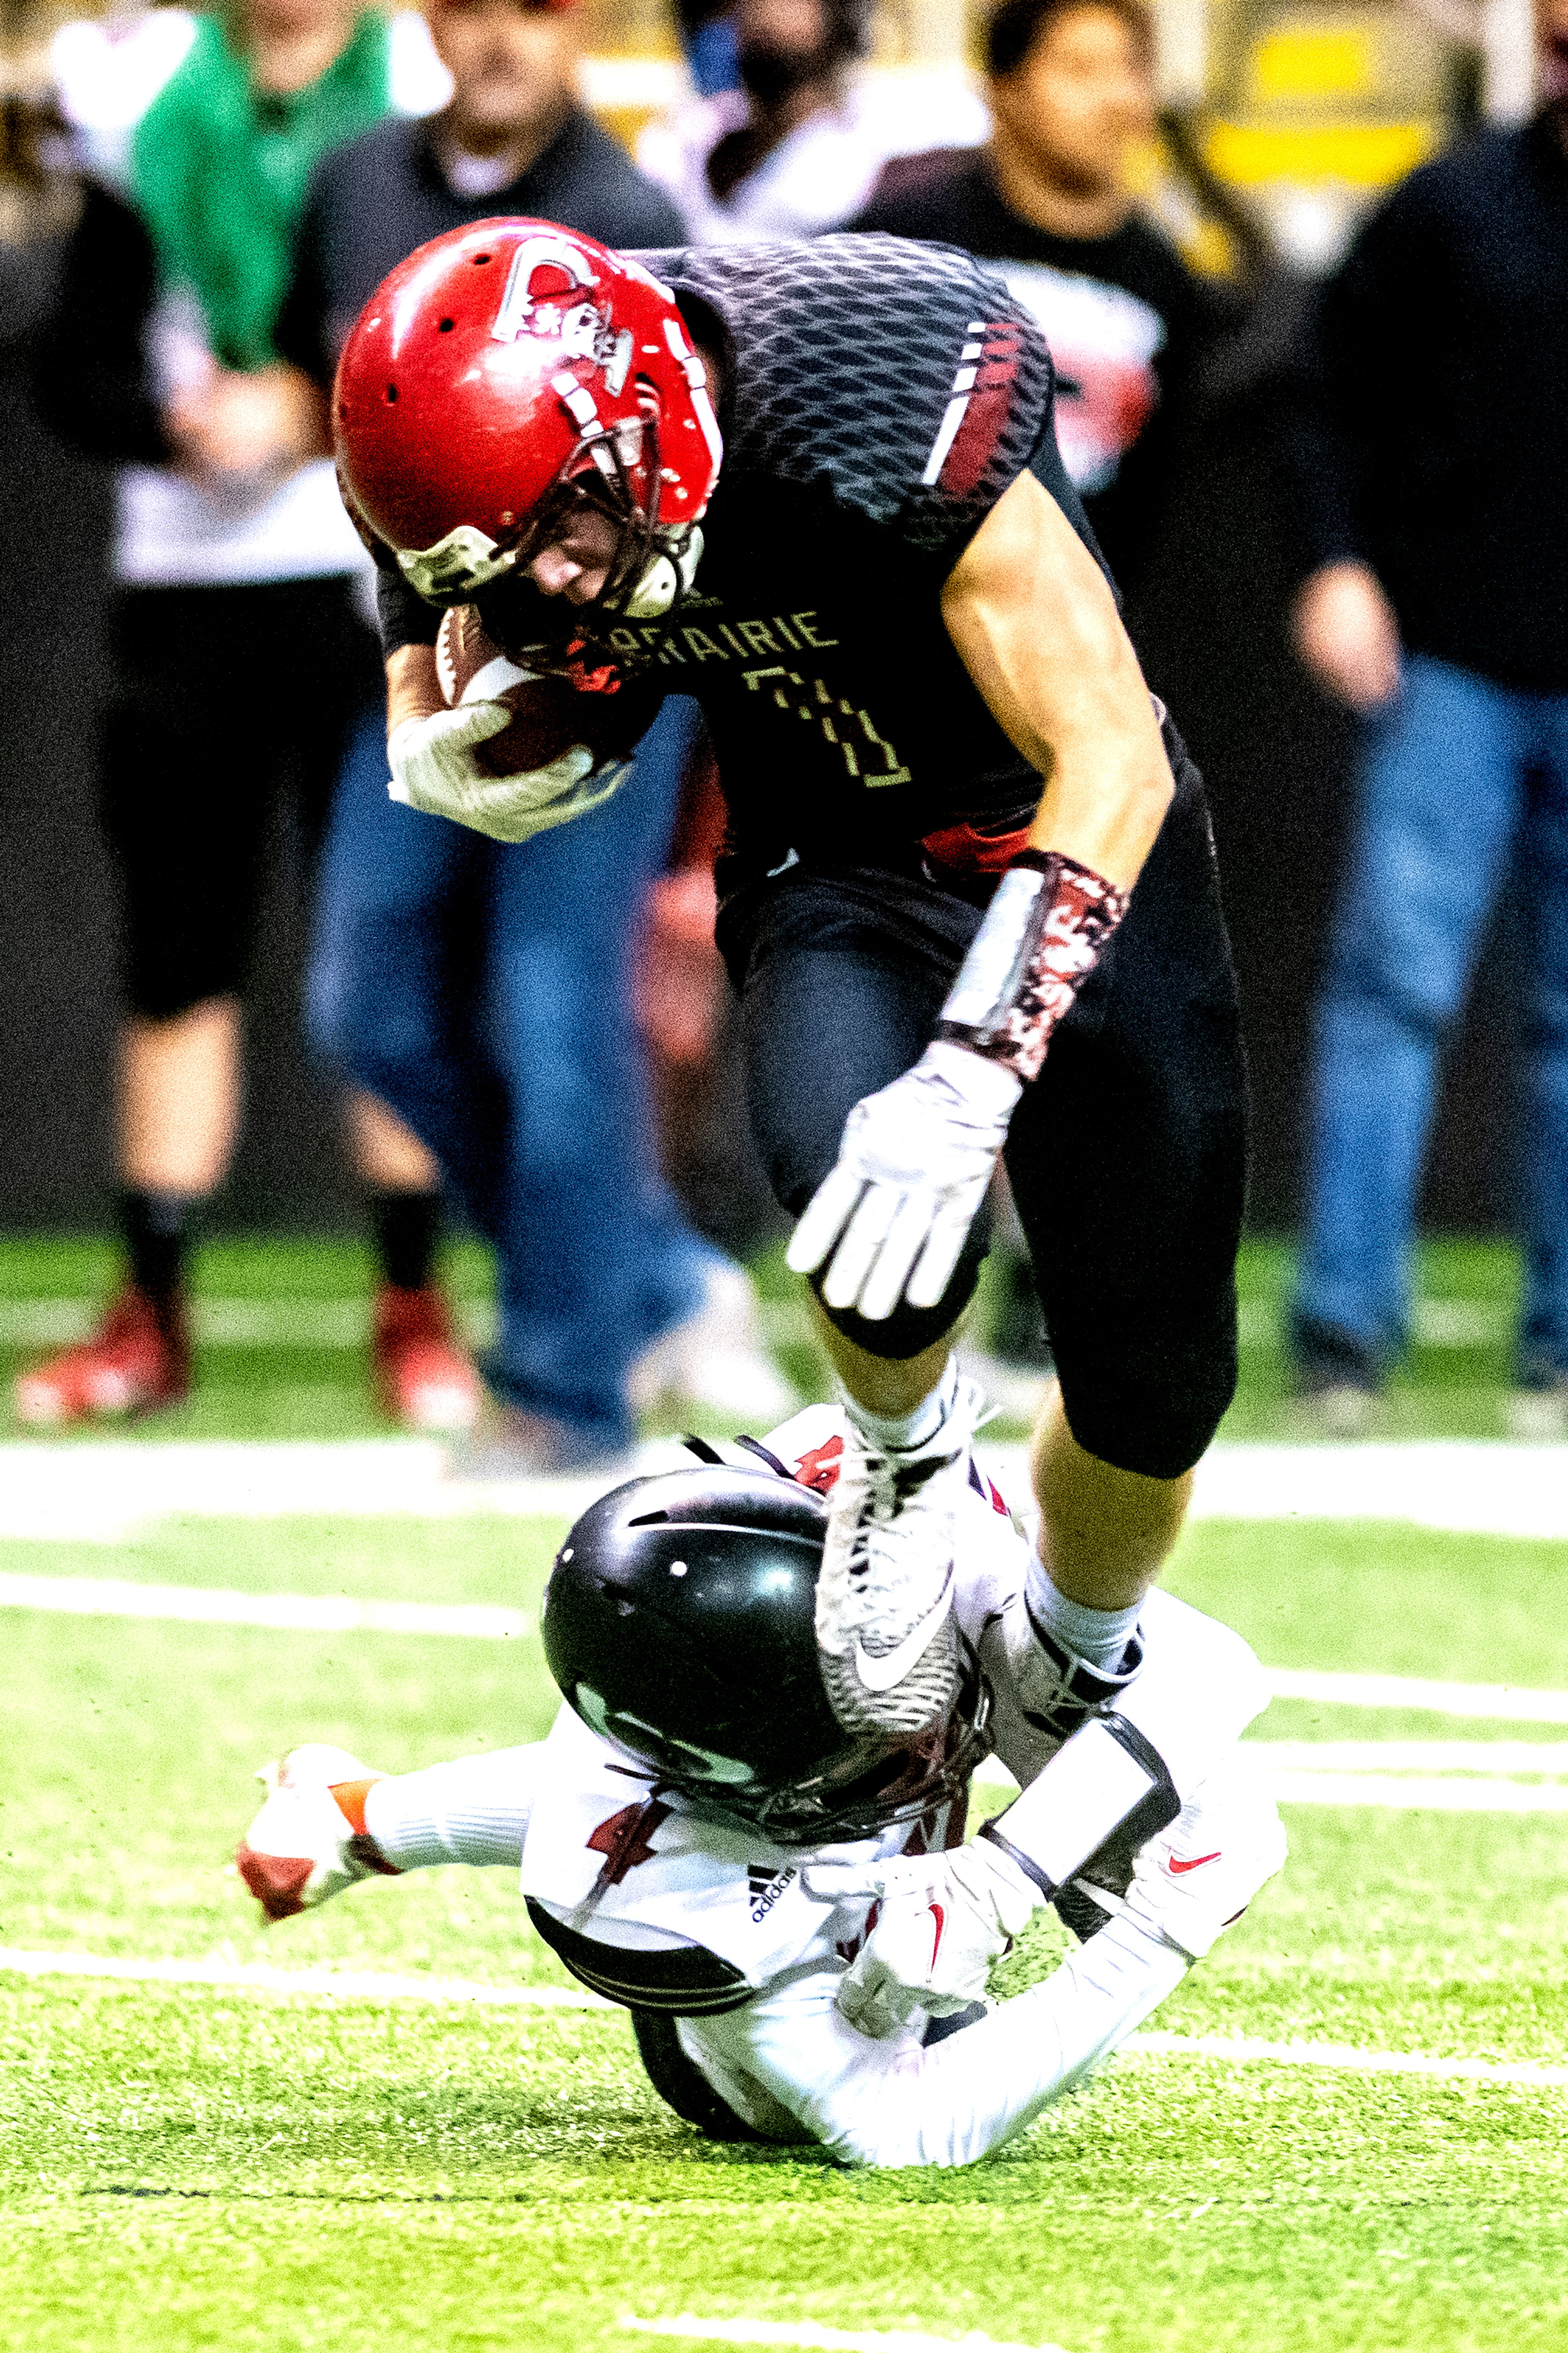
[
  {"x": 1127, "y": 1155},
  {"x": 228, "y": 703}
]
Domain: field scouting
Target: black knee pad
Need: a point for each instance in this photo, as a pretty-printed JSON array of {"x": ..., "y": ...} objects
[{"x": 1156, "y": 1420}]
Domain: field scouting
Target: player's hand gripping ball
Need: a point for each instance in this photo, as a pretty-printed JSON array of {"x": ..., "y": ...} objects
[
  {"x": 512, "y": 753},
  {"x": 944, "y": 1919}
]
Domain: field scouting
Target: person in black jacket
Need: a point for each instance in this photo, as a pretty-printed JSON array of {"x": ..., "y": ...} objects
[
  {"x": 484, "y": 990},
  {"x": 1071, "y": 89},
  {"x": 1431, "y": 471}
]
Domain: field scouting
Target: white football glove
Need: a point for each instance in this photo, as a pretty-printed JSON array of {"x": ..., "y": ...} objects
[
  {"x": 944, "y": 1919},
  {"x": 1201, "y": 1874},
  {"x": 911, "y": 1171},
  {"x": 434, "y": 769}
]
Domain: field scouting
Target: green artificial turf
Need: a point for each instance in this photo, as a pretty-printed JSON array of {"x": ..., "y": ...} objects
[
  {"x": 306, "y": 1389},
  {"x": 187, "y": 2168}
]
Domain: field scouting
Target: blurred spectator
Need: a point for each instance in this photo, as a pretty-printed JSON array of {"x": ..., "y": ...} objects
[
  {"x": 486, "y": 989},
  {"x": 1071, "y": 89},
  {"x": 239, "y": 651},
  {"x": 797, "y": 147},
  {"x": 707, "y": 30},
  {"x": 1431, "y": 458}
]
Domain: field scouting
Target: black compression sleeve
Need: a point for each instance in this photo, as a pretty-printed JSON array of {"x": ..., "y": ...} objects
[{"x": 405, "y": 619}]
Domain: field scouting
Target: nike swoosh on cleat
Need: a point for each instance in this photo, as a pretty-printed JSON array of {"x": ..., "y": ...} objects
[
  {"x": 940, "y": 1916},
  {"x": 880, "y": 1675},
  {"x": 1194, "y": 1863}
]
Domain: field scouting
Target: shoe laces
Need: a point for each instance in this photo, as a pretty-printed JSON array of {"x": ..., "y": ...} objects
[{"x": 896, "y": 1482}]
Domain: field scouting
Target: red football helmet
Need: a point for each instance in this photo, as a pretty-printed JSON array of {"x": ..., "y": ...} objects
[{"x": 503, "y": 372}]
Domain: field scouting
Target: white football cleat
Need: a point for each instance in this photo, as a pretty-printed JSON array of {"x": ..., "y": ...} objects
[
  {"x": 302, "y": 1847},
  {"x": 885, "y": 1634}
]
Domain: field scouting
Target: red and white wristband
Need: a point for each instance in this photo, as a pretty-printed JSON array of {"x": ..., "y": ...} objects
[{"x": 1041, "y": 939}]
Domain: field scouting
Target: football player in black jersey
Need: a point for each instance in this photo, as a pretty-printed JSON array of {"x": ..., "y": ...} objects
[{"x": 818, "y": 488}]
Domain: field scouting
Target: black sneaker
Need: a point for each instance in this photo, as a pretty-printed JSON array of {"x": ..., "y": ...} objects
[{"x": 1327, "y": 1359}]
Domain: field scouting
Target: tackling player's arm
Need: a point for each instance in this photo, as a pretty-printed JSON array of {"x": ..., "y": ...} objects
[{"x": 1036, "y": 628}]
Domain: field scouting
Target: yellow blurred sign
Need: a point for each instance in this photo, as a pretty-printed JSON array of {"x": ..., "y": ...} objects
[
  {"x": 1313, "y": 62},
  {"x": 1361, "y": 154}
]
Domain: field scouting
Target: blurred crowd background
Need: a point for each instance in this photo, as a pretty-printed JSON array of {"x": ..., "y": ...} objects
[{"x": 192, "y": 209}]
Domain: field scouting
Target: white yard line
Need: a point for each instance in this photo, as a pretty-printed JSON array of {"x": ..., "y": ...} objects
[
  {"x": 372, "y": 1985},
  {"x": 1465, "y": 1486},
  {"x": 1399, "y": 1775},
  {"x": 1389, "y": 1792},
  {"x": 103, "y": 1490},
  {"x": 812, "y": 2333},
  {"x": 1501, "y": 1702},
  {"x": 100, "y": 1490},
  {"x": 316, "y": 1614},
  {"x": 1245, "y": 2050},
  {"x": 1513, "y": 1757},
  {"x": 1462, "y": 1486},
  {"x": 109, "y": 1597},
  {"x": 255, "y": 1977}
]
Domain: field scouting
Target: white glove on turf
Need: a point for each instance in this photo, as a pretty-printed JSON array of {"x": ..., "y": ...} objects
[
  {"x": 434, "y": 769},
  {"x": 911, "y": 1171},
  {"x": 944, "y": 1919}
]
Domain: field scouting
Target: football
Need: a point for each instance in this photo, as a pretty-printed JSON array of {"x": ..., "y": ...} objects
[{"x": 548, "y": 715}]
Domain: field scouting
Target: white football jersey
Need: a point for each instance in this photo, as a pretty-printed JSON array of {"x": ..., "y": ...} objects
[{"x": 715, "y": 1914}]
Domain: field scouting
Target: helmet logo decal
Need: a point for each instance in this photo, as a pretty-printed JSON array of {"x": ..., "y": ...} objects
[
  {"x": 521, "y": 315},
  {"x": 579, "y": 329},
  {"x": 697, "y": 383}
]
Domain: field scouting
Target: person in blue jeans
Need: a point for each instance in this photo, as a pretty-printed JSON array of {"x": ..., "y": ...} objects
[
  {"x": 1431, "y": 467},
  {"x": 484, "y": 990}
]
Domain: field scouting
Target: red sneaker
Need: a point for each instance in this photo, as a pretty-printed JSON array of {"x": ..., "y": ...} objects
[
  {"x": 423, "y": 1378},
  {"x": 137, "y": 1360}
]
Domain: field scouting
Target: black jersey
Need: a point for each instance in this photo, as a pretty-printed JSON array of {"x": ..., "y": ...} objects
[
  {"x": 1127, "y": 322},
  {"x": 880, "y": 397}
]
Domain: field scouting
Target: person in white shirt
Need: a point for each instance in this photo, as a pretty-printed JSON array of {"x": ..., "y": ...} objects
[
  {"x": 786, "y": 1908},
  {"x": 241, "y": 657}
]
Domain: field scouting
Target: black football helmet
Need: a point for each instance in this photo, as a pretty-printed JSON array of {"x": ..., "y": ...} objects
[{"x": 679, "y": 1622}]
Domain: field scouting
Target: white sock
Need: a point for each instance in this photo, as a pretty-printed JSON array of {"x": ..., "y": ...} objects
[
  {"x": 897, "y": 1433},
  {"x": 1097, "y": 1636},
  {"x": 475, "y": 1811}
]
